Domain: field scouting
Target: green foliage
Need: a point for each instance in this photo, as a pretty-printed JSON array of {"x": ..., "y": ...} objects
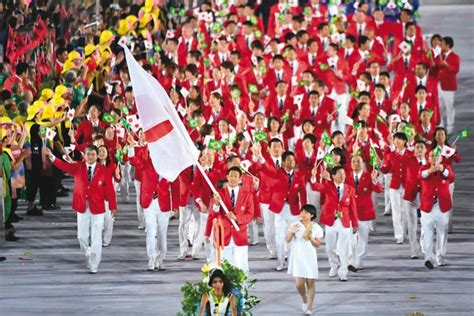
[{"x": 193, "y": 292}]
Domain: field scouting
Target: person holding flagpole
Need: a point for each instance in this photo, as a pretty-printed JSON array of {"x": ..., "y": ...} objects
[{"x": 240, "y": 203}]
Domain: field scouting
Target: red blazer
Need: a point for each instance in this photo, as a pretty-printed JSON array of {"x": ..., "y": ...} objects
[
  {"x": 243, "y": 210},
  {"x": 84, "y": 132},
  {"x": 168, "y": 192},
  {"x": 412, "y": 184},
  {"x": 330, "y": 78},
  {"x": 436, "y": 186},
  {"x": 363, "y": 195},
  {"x": 447, "y": 74},
  {"x": 347, "y": 205},
  {"x": 276, "y": 185},
  {"x": 429, "y": 136},
  {"x": 199, "y": 187},
  {"x": 87, "y": 194},
  {"x": 396, "y": 164},
  {"x": 305, "y": 164}
]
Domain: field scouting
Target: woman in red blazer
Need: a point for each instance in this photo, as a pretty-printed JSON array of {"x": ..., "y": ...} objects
[
  {"x": 113, "y": 174},
  {"x": 91, "y": 190},
  {"x": 435, "y": 206}
]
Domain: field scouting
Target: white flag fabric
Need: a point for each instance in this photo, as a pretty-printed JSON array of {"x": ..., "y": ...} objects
[{"x": 171, "y": 148}]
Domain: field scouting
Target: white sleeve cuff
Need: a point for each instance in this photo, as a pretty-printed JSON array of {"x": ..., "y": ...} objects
[
  {"x": 425, "y": 174},
  {"x": 131, "y": 152},
  {"x": 445, "y": 172}
]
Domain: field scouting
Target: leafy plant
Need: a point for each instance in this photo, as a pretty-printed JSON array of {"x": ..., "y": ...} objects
[{"x": 241, "y": 284}]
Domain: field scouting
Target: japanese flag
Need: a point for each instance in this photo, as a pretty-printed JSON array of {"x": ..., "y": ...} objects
[
  {"x": 447, "y": 151},
  {"x": 70, "y": 114},
  {"x": 50, "y": 134}
]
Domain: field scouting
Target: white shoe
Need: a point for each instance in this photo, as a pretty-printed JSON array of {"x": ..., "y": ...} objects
[
  {"x": 332, "y": 272},
  {"x": 141, "y": 228},
  {"x": 343, "y": 278},
  {"x": 309, "y": 312},
  {"x": 280, "y": 267},
  {"x": 440, "y": 261},
  {"x": 304, "y": 307},
  {"x": 92, "y": 271},
  {"x": 181, "y": 257},
  {"x": 399, "y": 241}
]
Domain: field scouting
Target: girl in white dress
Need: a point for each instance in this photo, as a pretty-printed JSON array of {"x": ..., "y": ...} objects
[{"x": 303, "y": 264}]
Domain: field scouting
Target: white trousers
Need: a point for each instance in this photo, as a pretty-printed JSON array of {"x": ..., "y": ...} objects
[
  {"x": 125, "y": 181},
  {"x": 108, "y": 225},
  {"x": 186, "y": 215},
  {"x": 338, "y": 241},
  {"x": 268, "y": 228},
  {"x": 199, "y": 242},
  {"x": 253, "y": 232},
  {"x": 451, "y": 191},
  {"x": 387, "y": 178},
  {"x": 397, "y": 213},
  {"x": 89, "y": 227},
  {"x": 156, "y": 223},
  {"x": 237, "y": 255},
  {"x": 313, "y": 197},
  {"x": 409, "y": 210},
  {"x": 429, "y": 222},
  {"x": 446, "y": 102},
  {"x": 141, "y": 217},
  {"x": 282, "y": 223},
  {"x": 359, "y": 244},
  {"x": 342, "y": 104}
]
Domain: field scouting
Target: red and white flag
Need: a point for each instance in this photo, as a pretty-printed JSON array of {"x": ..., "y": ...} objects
[{"x": 171, "y": 148}]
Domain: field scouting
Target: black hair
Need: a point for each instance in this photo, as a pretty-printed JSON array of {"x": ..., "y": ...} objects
[
  {"x": 236, "y": 169},
  {"x": 217, "y": 273},
  {"x": 334, "y": 170},
  {"x": 275, "y": 140},
  {"x": 311, "y": 138},
  {"x": 310, "y": 209},
  {"x": 92, "y": 147},
  {"x": 449, "y": 41},
  {"x": 420, "y": 87},
  {"x": 21, "y": 68},
  {"x": 340, "y": 153},
  {"x": 287, "y": 154},
  {"x": 401, "y": 136}
]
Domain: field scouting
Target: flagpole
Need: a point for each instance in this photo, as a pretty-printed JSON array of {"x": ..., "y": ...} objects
[{"x": 211, "y": 186}]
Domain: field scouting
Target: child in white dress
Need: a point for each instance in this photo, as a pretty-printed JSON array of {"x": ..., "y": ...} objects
[{"x": 303, "y": 263}]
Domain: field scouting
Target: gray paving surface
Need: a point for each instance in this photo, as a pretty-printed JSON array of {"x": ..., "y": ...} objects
[{"x": 54, "y": 282}]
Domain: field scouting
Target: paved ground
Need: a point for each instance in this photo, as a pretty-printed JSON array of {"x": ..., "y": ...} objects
[{"x": 54, "y": 281}]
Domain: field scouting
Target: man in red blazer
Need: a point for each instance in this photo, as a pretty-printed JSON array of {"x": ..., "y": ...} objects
[
  {"x": 435, "y": 206},
  {"x": 267, "y": 182},
  {"x": 411, "y": 199},
  {"x": 91, "y": 190},
  {"x": 365, "y": 183},
  {"x": 239, "y": 202},
  {"x": 448, "y": 63},
  {"x": 395, "y": 163},
  {"x": 339, "y": 214},
  {"x": 157, "y": 197},
  {"x": 83, "y": 137}
]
